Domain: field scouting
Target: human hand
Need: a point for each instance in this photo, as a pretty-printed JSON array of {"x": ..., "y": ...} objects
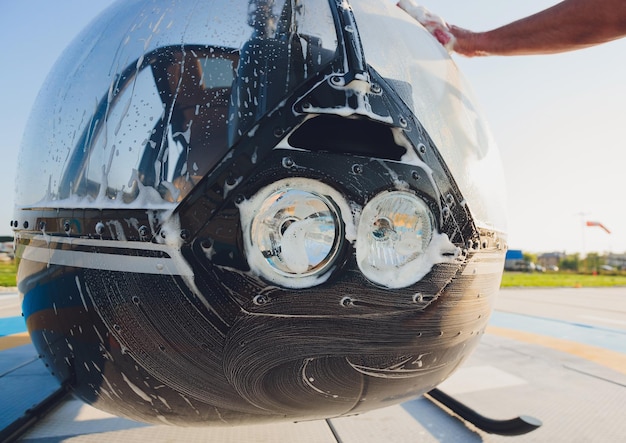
[
  {"x": 432, "y": 22},
  {"x": 468, "y": 43}
]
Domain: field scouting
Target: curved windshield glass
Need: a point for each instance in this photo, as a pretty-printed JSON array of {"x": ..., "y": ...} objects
[
  {"x": 150, "y": 97},
  {"x": 430, "y": 84}
]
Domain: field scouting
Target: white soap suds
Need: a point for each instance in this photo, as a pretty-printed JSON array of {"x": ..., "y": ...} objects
[
  {"x": 356, "y": 88},
  {"x": 258, "y": 263},
  {"x": 136, "y": 390},
  {"x": 293, "y": 243},
  {"x": 170, "y": 231},
  {"x": 440, "y": 250}
]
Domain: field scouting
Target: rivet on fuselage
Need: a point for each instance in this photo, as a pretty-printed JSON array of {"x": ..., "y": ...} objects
[
  {"x": 143, "y": 231},
  {"x": 346, "y": 302},
  {"x": 288, "y": 162},
  {"x": 260, "y": 299}
]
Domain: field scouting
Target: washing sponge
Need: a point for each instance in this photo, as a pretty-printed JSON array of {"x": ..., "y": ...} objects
[{"x": 432, "y": 22}]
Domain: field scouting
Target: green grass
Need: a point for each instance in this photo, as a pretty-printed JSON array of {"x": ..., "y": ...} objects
[
  {"x": 560, "y": 280},
  {"x": 509, "y": 279},
  {"x": 7, "y": 274}
]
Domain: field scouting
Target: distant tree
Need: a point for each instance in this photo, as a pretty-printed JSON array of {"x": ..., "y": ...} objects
[
  {"x": 593, "y": 261},
  {"x": 529, "y": 258},
  {"x": 570, "y": 262}
]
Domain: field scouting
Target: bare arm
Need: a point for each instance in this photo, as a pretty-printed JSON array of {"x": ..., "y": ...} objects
[{"x": 567, "y": 26}]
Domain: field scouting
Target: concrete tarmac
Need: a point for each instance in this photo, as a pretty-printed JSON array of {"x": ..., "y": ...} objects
[{"x": 599, "y": 307}]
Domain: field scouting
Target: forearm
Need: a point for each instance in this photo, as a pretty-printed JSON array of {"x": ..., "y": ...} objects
[{"x": 569, "y": 25}]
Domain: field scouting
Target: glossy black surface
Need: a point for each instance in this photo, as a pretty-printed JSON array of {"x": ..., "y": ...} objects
[{"x": 138, "y": 290}]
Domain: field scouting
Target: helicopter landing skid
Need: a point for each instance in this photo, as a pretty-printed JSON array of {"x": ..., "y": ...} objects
[{"x": 514, "y": 426}]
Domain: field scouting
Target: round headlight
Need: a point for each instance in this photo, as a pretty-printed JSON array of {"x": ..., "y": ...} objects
[
  {"x": 394, "y": 233},
  {"x": 294, "y": 233}
]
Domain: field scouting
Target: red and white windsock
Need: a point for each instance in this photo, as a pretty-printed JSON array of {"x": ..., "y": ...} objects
[{"x": 599, "y": 225}]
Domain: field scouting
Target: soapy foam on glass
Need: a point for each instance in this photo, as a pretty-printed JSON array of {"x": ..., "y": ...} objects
[
  {"x": 291, "y": 241},
  {"x": 439, "y": 250},
  {"x": 358, "y": 88},
  {"x": 396, "y": 245}
]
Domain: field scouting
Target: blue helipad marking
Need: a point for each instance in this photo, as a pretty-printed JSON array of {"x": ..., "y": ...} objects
[
  {"x": 606, "y": 338},
  {"x": 12, "y": 325}
]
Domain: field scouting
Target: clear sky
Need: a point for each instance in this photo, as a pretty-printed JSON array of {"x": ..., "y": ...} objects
[{"x": 559, "y": 120}]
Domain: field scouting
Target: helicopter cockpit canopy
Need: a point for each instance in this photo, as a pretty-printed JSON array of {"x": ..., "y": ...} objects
[
  {"x": 138, "y": 109},
  {"x": 149, "y": 113}
]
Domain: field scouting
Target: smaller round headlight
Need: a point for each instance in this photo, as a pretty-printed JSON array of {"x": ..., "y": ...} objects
[
  {"x": 393, "y": 236},
  {"x": 294, "y": 232}
]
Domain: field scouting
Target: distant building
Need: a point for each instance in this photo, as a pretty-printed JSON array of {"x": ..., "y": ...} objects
[
  {"x": 550, "y": 260},
  {"x": 514, "y": 261},
  {"x": 6, "y": 251},
  {"x": 617, "y": 261}
]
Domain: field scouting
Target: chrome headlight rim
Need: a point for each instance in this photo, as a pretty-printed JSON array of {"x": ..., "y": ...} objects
[{"x": 292, "y": 275}]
